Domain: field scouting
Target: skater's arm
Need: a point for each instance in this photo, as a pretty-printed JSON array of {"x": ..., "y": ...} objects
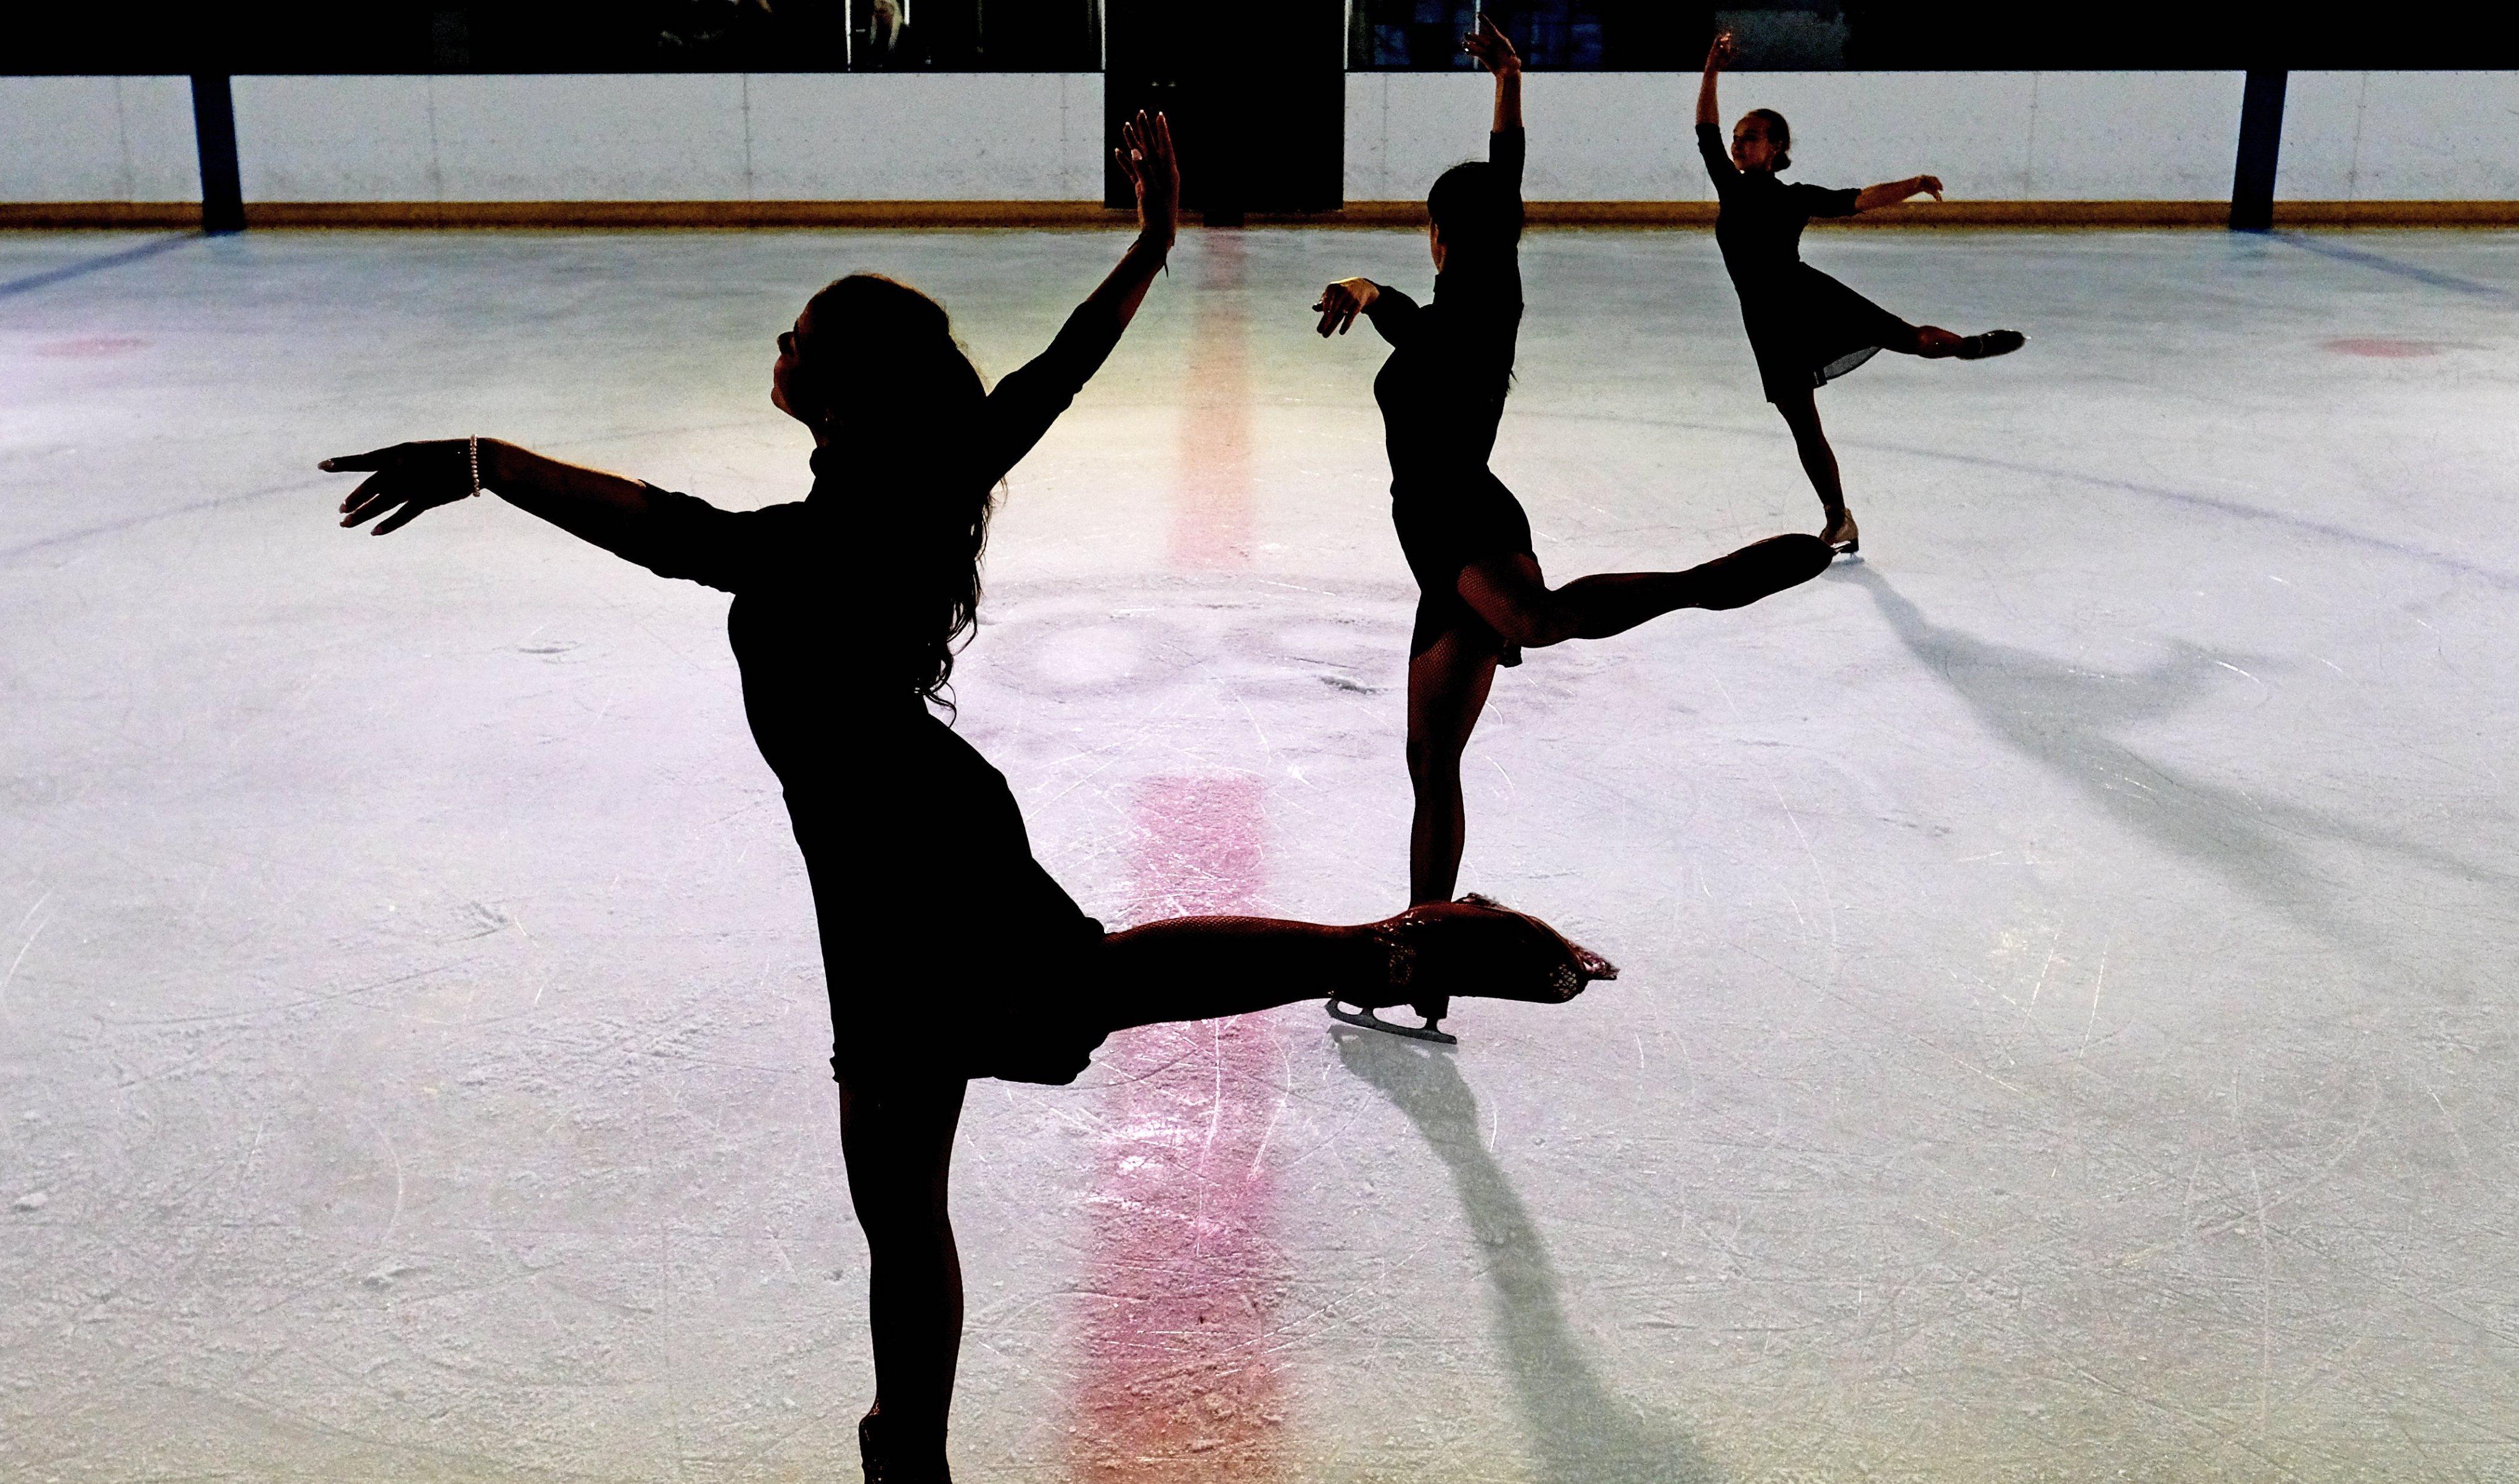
[
  {"x": 1495, "y": 53},
  {"x": 1028, "y": 400},
  {"x": 1891, "y": 193},
  {"x": 1710, "y": 118},
  {"x": 673, "y": 535},
  {"x": 1718, "y": 55},
  {"x": 1394, "y": 315}
]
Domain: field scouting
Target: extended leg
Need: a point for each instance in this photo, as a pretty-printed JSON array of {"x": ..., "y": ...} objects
[
  {"x": 1447, "y": 688},
  {"x": 1510, "y": 595},
  {"x": 1800, "y": 411},
  {"x": 898, "y": 1138},
  {"x": 1934, "y": 343},
  {"x": 1195, "y": 968}
]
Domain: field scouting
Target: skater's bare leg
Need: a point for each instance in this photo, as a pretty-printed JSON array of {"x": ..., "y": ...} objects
[
  {"x": 1800, "y": 411},
  {"x": 1930, "y": 341},
  {"x": 1447, "y": 689},
  {"x": 1511, "y": 595},
  {"x": 898, "y": 1138},
  {"x": 1196, "y": 968}
]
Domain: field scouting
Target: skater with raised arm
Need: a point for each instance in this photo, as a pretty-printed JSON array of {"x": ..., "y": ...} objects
[
  {"x": 1805, "y": 328},
  {"x": 1481, "y": 597},
  {"x": 949, "y": 952}
]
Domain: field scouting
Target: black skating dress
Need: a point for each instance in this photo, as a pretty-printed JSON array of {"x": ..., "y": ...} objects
[
  {"x": 1441, "y": 394},
  {"x": 1805, "y": 328},
  {"x": 948, "y": 950}
]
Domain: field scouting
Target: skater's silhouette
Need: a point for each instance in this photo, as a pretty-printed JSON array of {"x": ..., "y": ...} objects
[
  {"x": 949, "y": 951},
  {"x": 1805, "y": 328},
  {"x": 1482, "y": 599}
]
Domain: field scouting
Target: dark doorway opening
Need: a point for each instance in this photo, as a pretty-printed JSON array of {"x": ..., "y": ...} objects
[{"x": 1257, "y": 100}]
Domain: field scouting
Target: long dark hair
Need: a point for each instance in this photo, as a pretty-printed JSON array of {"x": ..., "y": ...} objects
[{"x": 880, "y": 345}]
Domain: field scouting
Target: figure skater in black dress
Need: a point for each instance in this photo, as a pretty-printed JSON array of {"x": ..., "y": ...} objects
[
  {"x": 1482, "y": 598},
  {"x": 1805, "y": 328},
  {"x": 950, "y": 953}
]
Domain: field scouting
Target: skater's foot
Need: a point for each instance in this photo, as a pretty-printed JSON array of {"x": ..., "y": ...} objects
[
  {"x": 1474, "y": 946},
  {"x": 1994, "y": 342},
  {"x": 880, "y": 1467},
  {"x": 1471, "y": 947},
  {"x": 1841, "y": 535},
  {"x": 1760, "y": 569}
]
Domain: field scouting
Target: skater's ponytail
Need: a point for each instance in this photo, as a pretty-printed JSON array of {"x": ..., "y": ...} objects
[
  {"x": 905, "y": 403},
  {"x": 1779, "y": 134}
]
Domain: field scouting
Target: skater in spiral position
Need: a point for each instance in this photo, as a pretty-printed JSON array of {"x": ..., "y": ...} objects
[
  {"x": 1481, "y": 597},
  {"x": 950, "y": 953},
  {"x": 1805, "y": 328}
]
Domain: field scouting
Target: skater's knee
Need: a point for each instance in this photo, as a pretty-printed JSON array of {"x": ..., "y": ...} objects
[{"x": 1434, "y": 762}]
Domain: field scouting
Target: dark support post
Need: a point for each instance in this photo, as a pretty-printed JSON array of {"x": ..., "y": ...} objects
[
  {"x": 2252, "y": 185},
  {"x": 215, "y": 128}
]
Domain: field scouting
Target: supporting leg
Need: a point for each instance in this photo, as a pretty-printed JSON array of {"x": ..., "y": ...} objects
[
  {"x": 1800, "y": 411},
  {"x": 898, "y": 1138},
  {"x": 1447, "y": 689}
]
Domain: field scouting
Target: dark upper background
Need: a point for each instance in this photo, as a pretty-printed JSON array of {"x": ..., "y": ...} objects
[{"x": 1065, "y": 35}]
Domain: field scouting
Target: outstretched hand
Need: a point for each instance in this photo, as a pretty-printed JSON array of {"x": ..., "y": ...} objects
[
  {"x": 1146, "y": 158},
  {"x": 1491, "y": 48},
  {"x": 1929, "y": 185},
  {"x": 1342, "y": 301},
  {"x": 403, "y": 481},
  {"x": 1723, "y": 52}
]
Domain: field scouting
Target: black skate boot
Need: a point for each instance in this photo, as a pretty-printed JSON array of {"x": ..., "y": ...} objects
[
  {"x": 1994, "y": 342},
  {"x": 1472, "y": 946}
]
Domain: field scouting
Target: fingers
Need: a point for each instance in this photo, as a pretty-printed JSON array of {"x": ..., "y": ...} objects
[
  {"x": 347, "y": 464},
  {"x": 1349, "y": 323},
  {"x": 1164, "y": 135},
  {"x": 398, "y": 518},
  {"x": 368, "y": 492}
]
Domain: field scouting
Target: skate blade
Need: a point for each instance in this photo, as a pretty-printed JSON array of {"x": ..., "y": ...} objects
[{"x": 1372, "y": 1022}]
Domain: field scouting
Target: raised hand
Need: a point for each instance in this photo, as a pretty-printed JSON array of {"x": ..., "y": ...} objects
[
  {"x": 1491, "y": 48},
  {"x": 403, "y": 481},
  {"x": 1342, "y": 301},
  {"x": 1146, "y": 158},
  {"x": 1725, "y": 50}
]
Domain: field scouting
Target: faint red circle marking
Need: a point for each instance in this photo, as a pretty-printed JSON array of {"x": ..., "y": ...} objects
[
  {"x": 2382, "y": 349},
  {"x": 90, "y": 345}
]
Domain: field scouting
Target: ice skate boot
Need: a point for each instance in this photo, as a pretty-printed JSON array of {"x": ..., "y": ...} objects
[
  {"x": 1841, "y": 536},
  {"x": 1760, "y": 569},
  {"x": 1994, "y": 342},
  {"x": 870, "y": 1455},
  {"x": 1472, "y": 946}
]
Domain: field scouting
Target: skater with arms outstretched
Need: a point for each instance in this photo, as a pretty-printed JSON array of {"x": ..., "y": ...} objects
[
  {"x": 1481, "y": 597},
  {"x": 949, "y": 952},
  {"x": 1805, "y": 328}
]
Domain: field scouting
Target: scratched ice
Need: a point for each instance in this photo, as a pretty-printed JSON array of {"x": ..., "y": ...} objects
[{"x": 2066, "y": 1032}]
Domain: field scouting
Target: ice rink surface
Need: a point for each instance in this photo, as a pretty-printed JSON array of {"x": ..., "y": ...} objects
[{"x": 2067, "y": 1023}]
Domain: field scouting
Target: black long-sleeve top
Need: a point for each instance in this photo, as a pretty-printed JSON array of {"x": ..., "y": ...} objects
[
  {"x": 1441, "y": 392},
  {"x": 1759, "y": 226},
  {"x": 827, "y": 640}
]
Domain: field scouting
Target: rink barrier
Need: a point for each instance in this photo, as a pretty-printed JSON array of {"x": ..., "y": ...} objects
[
  {"x": 1094, "y": 216},
  {"x": 734, "y": 150}
]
